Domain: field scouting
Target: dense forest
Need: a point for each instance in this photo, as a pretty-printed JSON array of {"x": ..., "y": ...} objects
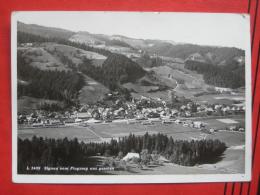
[
  {"x": 92, "y": 71},
  {"x": 119, "y": 68},
  {"x": 64, "y": 152},
  {"x": 229, "y": 76},
  {"x": 116, "y": 69},
  {"x": 55, "y": 85}
]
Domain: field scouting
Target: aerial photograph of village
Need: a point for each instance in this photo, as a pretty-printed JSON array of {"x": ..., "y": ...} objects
[{"x": 129, "y": 95}]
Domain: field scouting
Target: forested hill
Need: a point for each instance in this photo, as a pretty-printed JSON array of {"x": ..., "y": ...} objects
[
  {"x": 229, "y": 76},
  {"x": 122, "y": 69},
  {"x": 54, "y": 85}
]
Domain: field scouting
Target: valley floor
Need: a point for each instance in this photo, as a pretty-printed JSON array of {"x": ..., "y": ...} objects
[{"x": 233, "y": 159}]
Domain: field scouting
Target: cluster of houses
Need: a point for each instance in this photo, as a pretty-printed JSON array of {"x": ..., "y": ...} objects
[
  {"x": 198, "y": 110},
  {"x": 235, "y": 128},
  {"x": 144, "y": 109}
]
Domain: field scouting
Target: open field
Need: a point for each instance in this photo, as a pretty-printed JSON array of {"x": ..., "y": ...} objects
[
  {"x": 74, "y": 54},
  {"x": 95, "y": 132},
  {"x": 40, "y": 58},
  {"x": 192, "y": 80},
  {"x": 70, "y": 132},
  {"x": 218, "y": 124},
  {"x": 227, "y": 99},
  {"x": 99, "y": 131},
  {"x": 92, "y": 91},
  {"x": 48, "y": 56}
]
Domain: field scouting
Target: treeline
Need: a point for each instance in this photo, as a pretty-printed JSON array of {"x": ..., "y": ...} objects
[
  {"x": 228, "y": 76},
  {"x": 23, "y": 37},
  {"x": 55, "y": 85},
  {"x": 64, "y": 152}
]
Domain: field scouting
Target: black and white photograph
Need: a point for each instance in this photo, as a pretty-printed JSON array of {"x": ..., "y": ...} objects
[{"x": 130, "y": 97}]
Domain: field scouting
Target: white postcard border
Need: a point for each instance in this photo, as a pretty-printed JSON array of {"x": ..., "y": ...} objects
[{"x": 119, "y": 179}]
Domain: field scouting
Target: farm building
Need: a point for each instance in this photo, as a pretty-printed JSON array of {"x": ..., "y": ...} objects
[
  {"x": 131, "y": 155},
  {"x": 222, "y": 89},
  {"x": 197, "y": 124},
  {"x": 84, "y": 115}
]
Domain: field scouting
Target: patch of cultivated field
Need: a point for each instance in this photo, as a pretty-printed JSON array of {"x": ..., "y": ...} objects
[
  {"x": 230, "y": 138},
  {"x": 189, "y": 83},
  {"x": 92, "y": 91},
  {"x": 74, "y": 54},
  {"x": 165, "y": 73},
  {"x": 218, "y": 123},
  {"x": 164, "y": 95},
  {"x": 81, "y": 133},
  {"x": 191, "y": 79},
  {"x": 42, "y": 59},
  {"x": 123, "y": 129},
  {"x": 227, "y": 121},
  {"x": 95, "y": 132},
  {"x": 233, "y": 161},
  {"x": 227, "y": 99},
  {"x": 152, "y": 89},
  {"x": 48, "y": 56}
]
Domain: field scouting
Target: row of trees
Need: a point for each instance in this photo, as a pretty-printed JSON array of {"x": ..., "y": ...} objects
[
  {"x": 230, "y": 76},
  {"x": 64, "y": 152},
  {"x": 55, "y": 85}
]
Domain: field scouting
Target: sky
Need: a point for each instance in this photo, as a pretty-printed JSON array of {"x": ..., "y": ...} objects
[{"x": 231, "y": 30}]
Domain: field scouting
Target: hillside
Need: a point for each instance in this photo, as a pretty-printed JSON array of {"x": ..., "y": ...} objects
[
  {"x": 53, "y": 56},
  {"x": 122, "y": 44},
  {"x": 44, "y": 31},
  {"x": 47, "y": 84},
  {"x": 228, "y": 76},
  {"x": 98, "y": 39},
  {"x": 213, "y": 55},
  {"x": 145, "y": 67}
]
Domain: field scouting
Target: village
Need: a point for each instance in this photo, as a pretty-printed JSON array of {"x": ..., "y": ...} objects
[{"x": 144, "y": 110}]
